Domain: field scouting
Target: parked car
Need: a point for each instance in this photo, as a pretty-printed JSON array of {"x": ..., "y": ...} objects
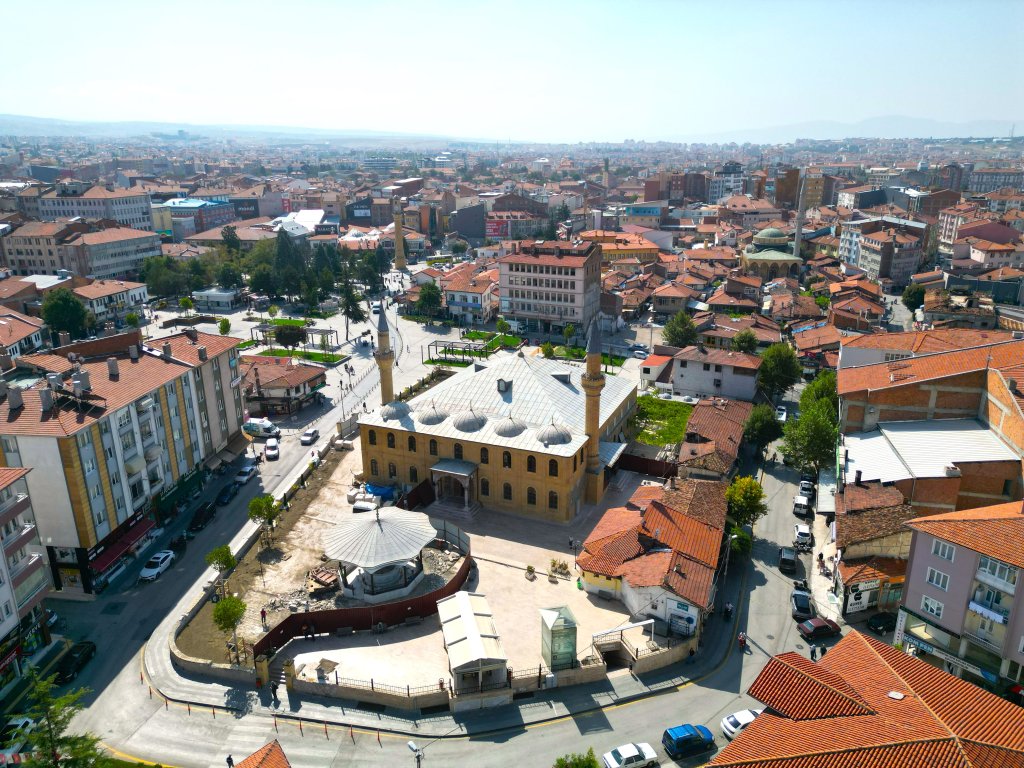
[
  {"x": 733, "y": 725},
  {"x": 202, "y": 517},
  {"x": 310, "y": 436},
  {"x": 686, "y": 740},
  {"x": 227, "y": 493},
  {"x": 245, "y": 474},
  {"x": 630, "y": 755},
  {"x": 802, "y": 536},
  {"x": 807, "y": 489},
  {"x": 802, "y": 605},
  {"x": 881, "y": 623},
  {"x": 780, "y": 412},
  {"x": 261, "y": 428},
  {"x": 156, "y": 565},
  {"x": 73, "y": 661},
  {"x": 273, "y": 449},
  {"x": 787, "y": 560},
  {"x": 14, "y": 736},
  {"x": 640, "y": 354},
  {"x": 806, "y": 476},
  {"x": 636, "y": 346},
  {"x": 815, "y": 628}
]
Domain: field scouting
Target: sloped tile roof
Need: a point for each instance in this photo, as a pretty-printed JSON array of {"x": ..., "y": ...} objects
[
  {"x": 996, "y": 531},
  {"x": 269, "y": 756},
  {"x": 799, "y": 689}
]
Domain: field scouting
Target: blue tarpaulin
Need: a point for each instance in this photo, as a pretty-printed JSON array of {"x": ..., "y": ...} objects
[{"x": 384, "y": 491}]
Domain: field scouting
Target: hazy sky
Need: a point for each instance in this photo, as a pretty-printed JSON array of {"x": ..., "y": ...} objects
[{"x": 556, "y": 70}]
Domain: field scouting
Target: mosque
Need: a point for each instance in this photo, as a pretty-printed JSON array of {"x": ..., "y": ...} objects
[{"x": 770, "y": 255}]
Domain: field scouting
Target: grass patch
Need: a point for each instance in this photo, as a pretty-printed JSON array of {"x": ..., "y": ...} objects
[
  {"x": 504, "y": 341},
  {"x": 292, "y": 321},
  {"x": 661, "y": 421},
  {"x": 249, "y": 344},
  {"x": 479, "y": 335},
  {"x": 317, "y": 357},
  {"x": 452, "y": 363}
]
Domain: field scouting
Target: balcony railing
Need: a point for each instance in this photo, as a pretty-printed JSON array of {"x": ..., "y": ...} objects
[
  {"x": 13, "y": 507},
  {"x": 995, "y": 582},
  {"x": 985, "y": 640},
  {"x": 26, "y": 534},
  {"x": 24, "y": 569}
]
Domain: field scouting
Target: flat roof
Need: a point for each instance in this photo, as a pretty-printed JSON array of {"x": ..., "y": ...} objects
[{"x": 902, "y": 449}]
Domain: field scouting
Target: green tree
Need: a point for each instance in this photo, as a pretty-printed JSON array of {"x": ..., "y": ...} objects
[
  {"x": 52, "y": 742},
  {"x": 224, "y": 326},
  {"x": 273, "y": 310},
  {"x": 822, "y": 388},
  {"x": 568, "y": 332},
  {"x": 779, "y": 370},
  {"x": 578, "y": 760},
  {"x": 351, "y": 304},
  {"x": 227, "y": 615},
  {"x": 221, "y": 559},
  {"x": 459, "y": 247},
  {"x": 680, "y": 331},
  {"x": 132, "y": 319},
  {"x": 503, "y": 326},
  {"x": 762, "y": 427},
  {"x": 263, "y": 280},
  {"x": 913, "y": 296},
  {"x": 265, "y": 511},
  {"x": 229, "y": 276},
  {"x": 743, "y": 541},
  {"x": 290, "y": 280},
  {"x": 547, "y": 349},
  {"x": 822, "y": 301},
  {"x": 746, "y": 500},
  {"x": 429, "y": 302},
  {"x": 745, "y": 341},
  {"x": 186, "y": 304},
  {"x": 229, "y": 235},
  {"x": 810, "y": 441},
  {"x": 63, "y": 311},
  {"x": 290, "y": 336}
]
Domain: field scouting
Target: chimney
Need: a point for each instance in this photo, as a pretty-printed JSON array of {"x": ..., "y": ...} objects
[
  {"x": 14, "y": 400},
  {"x": 856, "y": 478},
  {"x": 64, "y": 338},
  {"x": 202, "y": 354},
  {"x": 54, "y": 381},
  {"x": 83, "y": 376},
  {"x": 45, "y": 400},
  {"x": 167, "y": 350},
  {"x": 133, "y": 352},
  {"x": 112, "y": 368}
]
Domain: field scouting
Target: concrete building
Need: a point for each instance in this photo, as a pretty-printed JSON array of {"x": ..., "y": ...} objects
[
  {"x": 277, "y": 385},
  {"x": 700, "y": 371},
  {"x": 726, "y": 181},
  {"x": 110, "y": 253},
  {"x": 981, "y": 180},
  {"x": 960, "y": 607},
  {"x": 128, "y": 207},
  {"x": 950, "y": 221},
  {"x": 189, "y": 215},
  {"x": 551, "y": 284},
  {"x": 20, "y": 334},
  {"x": 890, "y": 254},
  {"x": 870, "y": 348},
  {"x": 123, "y": 431},
  {"x": 853, "y": 232},
  {"x": 112, "y": 300}
]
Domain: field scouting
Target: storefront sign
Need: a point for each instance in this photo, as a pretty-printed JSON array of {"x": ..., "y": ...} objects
[
  {"x": 956, "y": 661},
  {"x": 10, "y": 657},
  {"x": 864, "y": 586}
]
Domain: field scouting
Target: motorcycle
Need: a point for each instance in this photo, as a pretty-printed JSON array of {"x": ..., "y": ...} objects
[
  {"x": 727, "y": 611},
  {"x": 801, "y": 585},
  {"x": 741, "y": 639}
]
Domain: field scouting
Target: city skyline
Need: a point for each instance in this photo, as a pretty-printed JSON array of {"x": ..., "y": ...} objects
[{"x": 477, "y": 74}]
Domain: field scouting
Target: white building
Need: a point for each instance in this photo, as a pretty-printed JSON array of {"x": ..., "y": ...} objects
[
  {"x": 128, "y": 207},
  {"x": 700, "y": 371},
  {"x": 111, "y": 300}
]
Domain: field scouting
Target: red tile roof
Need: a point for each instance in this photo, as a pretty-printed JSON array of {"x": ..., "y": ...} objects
[
  {"x": 869, "y": 704},
  {"x": 9, "y": 475},
  {"x": 269, "y": 756},
  {"x": 927, "y": 342},
  {"x": 996, "y": 531}
]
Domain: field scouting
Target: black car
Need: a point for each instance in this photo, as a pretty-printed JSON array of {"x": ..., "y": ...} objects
[
  {"x": 73, "y": 661},
  {"x": 227, "y": 493},
  {"x": 203, "y": 516},
  {"x": 881, "y": 623}
]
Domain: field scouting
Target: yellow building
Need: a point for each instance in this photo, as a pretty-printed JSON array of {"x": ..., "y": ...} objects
[{"x": 515, "y": 433}]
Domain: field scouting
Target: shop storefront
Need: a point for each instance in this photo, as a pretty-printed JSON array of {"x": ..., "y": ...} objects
[
  {"x": 933, "y": 645},
  {"x": 874, "y": 583}
]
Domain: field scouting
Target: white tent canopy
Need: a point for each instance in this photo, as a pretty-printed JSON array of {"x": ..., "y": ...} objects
[
  {"x": 392, "y": 535},
  {"x": 470, "y": 636}
]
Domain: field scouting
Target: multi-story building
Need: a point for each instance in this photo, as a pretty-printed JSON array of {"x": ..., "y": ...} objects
[
  {"x": 621, "y": 245},
  {"x": 110, "y": 253},
  {"x": 982, "y": 180},
  {"x": 23, "y": 582},
  {"x": 551, "y": 284},
  {"x": 853, "y": 232},
  {"x": 189, "y": 215},
  {"x": 890, "y": 253},
  {"x": 927, "y": 202},
  {"x": 950, "y": 221},
  {"x": 960, "y": 606},
  {"x": 726, "y": 181},
  {"x": 1003, "y": 200},
  {"x": 19, "y": 334},
  {"x": 36, "y": 248},
  {"x": 128, "y": 207},
  {"x": 122, "y": 430},
  {"x": 700, "y": 371},
  {"x": 111, "y": 300},
  {"x": 472, "y": 296},
  {"x": 512, "y": 225},
  {"x": 676, "y": 187}
]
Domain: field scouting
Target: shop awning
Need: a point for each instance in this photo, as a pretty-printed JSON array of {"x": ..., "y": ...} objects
[
  {"x": 110, "y": 555},
  {"x": 213, "y": 462},
  {"x": 454, "y": 467},
  {"x": 609, "y": 453}
]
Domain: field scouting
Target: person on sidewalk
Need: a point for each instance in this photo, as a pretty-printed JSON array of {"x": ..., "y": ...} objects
[
  {"x": 273, "y": 692},
  {"x": 230, "y": 761},
  {"x": 814, "y": 652},
  {"x": 263, "y": 616},
  {"x": 824, "y": 650}
]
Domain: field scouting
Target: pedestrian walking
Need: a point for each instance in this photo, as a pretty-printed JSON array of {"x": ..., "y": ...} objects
[
  {"x": 230, "y": 761},
  {"x": 824, "y": 650},
  {"x": 263, "y": 616},
  {"x": 691, "y": 655},
  {"x": 273, "y": 692},
  {"x": 814, "y": 652}
]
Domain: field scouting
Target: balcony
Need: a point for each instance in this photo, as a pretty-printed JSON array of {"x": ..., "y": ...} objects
[
  {"x": 13, "y": 507},
  {"x": 986, "y": 640},
  {"x": 32, "y": 591},
  {"x": 24, "y": 570},
  {"x": 995, "y": 582},
  {"x": 25, "y": 535}
]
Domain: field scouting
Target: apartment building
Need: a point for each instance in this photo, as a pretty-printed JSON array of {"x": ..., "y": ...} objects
[
  {"x": 700, "y": 371},
  {"x": 892, "y": 254},
  {"x": 128, "y": 207},
  {"x": 23, "y": 582},
  {"x": 36, "y": 248},
  {"x": 853, "y": 232},
  {"x": 123, "y": 431},
  {"x": 990, "y": 179},
  {"x": 950, "y": 221},
  {"x": 111, "y": 300},
  {"x": 549, "y": 284},
  {"x": 19, "y": 334},
  {"x": 960, "y": 607},
  {"x": 472, "y": 296},
  {"x": 110, "y": 253}
]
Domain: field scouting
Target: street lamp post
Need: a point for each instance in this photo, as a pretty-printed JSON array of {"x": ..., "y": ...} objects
[{"x": 416, "y": 751}]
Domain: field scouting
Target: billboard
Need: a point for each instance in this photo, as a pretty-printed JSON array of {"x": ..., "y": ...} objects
[{"x": 496, "y": 229}]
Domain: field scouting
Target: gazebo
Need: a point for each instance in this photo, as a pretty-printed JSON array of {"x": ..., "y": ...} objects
[{"x": 380, "y": 553}]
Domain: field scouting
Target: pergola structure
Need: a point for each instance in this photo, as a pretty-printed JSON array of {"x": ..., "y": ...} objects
[
  {"x": 264, "y": 334},
  {"x": 463, "y": 351}
]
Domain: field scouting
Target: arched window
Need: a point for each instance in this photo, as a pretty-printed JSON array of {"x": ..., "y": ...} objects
[
  {"x": 485, "y": 487},
  {"x": 531, "y": 463},
  {"x": 433, "y": 447},
  {"x": 553, "y": 467},
  {"x": 506, "y": 491},
  {"x": 552, "y": 500},
  {"x": 506, "y": 460},
  {"x": 374, "y": 467},
  {"x": 391, "y": 439},
  {"x": 484, "y": 456},
  {"x": 414, "y": 476},
  {"x": 574, "y": 462},
  {"x": 457, "y": 451},
  {"x": 412, "y": 444},
  {"x": 531, "y": 496},
  {"x": 373, "y": 436},
  {"x": 392, "y": 469}
]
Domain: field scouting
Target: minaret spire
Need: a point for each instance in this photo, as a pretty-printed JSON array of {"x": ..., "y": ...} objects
[
  {"x": 593, "y": 382},
  {"x": 400, "y": 264},
  {"x": 385, "y": 357}
]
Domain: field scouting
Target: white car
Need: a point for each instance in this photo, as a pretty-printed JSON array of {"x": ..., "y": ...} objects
[
  {"x": 630, "y": 755},
  {"x": 156, "y": 565},
  {"x": 802, "y": 535},
  {"x": 273, "y": 449},
  {"x": 733, "y": 725},
  {"x": 14, "y": 736},
  {"x": 780, "y": 412},
  {"x": 309, "y": 437},
  {"x": 639, "y": 354},
  {"x": 245, "y": 474},
  {"x": 690, "y": 399}
]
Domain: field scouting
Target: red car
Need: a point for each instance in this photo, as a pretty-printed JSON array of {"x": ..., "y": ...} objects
[{"x": 815, "y": 628}]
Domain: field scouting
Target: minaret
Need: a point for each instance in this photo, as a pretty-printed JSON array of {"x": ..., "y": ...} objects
[
  {"x": 593, "y": 383},
  {"x": 399, "y": 239},
  {"x": 385, "y": 357}
]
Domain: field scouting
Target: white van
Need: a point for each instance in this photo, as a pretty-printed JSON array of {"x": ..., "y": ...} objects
[{"x": 261, "y": 428}]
